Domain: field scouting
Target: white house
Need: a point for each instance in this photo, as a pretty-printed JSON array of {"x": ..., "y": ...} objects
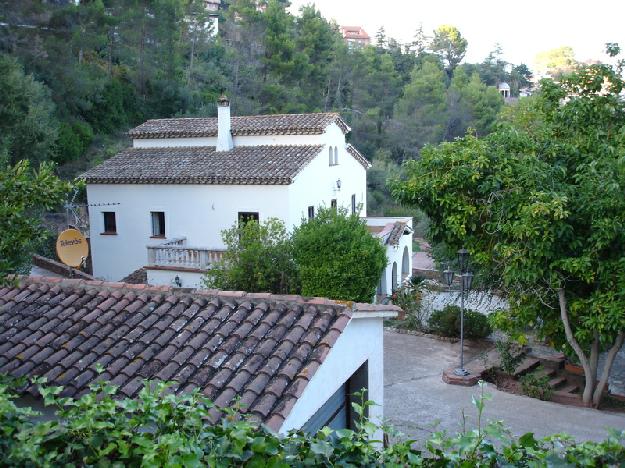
[{"x": 163, "y": 203}]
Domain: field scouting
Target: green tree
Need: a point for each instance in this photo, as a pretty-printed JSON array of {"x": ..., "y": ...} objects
[
  {"x": 258, "y": 258},
  {"x": 449, "y": 44},
  {"x": 471, "y": 104},
  {"x": 28, "y": 128},
  {"x": 420, "y": 115},
  {"x": 24, "y": 195},
  {"x": 337, "y": 257},
  {"x": 316, "y": 40},
  {"x": 541, "y": 209}
]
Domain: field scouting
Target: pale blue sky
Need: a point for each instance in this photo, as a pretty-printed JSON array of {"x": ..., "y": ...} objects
[{"x": 523, "y": 28}]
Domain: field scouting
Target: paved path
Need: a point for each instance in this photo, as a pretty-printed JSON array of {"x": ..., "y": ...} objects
[{"x": 415, "y": 397}]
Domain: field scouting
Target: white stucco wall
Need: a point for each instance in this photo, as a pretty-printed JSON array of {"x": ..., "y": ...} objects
[
  {"x": 197, "y": 212},
  {"x": 167, "y": 277},
  {"x": 201, "y": 212},
  {"x": 316, "y": 185},
  {"x": 362, "y": 340}
]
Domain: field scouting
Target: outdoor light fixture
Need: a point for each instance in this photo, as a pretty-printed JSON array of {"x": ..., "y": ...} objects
[
  {"x": 466, "y": 280},
  {"x": 178, "y": 281},
  {"x": 338, "y": 184}
]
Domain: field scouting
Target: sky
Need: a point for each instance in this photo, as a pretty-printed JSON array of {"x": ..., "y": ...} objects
[{"x": 523, "y": 29}]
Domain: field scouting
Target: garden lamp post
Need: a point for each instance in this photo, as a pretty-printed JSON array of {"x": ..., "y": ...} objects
[{"x": 466, "y": 279}]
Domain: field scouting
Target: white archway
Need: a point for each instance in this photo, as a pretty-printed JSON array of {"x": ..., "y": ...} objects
[
  {"x": 394, "y": 282},
  {"x": 405, "y": 265}
]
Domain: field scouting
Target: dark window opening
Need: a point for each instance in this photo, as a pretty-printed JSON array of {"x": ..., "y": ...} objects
[
  {"x": 158, "y": 224},
  {"x": 247, "y": 216},
  {"x": 311, "y": 212},
  {"x": 110, "y": 225},
  {"x": 353, "y": 204},
  {"x": 333, "y": 203},
  {"x": 337, "y": 412}
]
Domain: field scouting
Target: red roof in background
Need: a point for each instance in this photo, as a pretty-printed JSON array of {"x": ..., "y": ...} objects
[{"x": 354, "y": 32}]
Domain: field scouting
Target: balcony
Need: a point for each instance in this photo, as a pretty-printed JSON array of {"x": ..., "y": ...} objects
[{"x": 176, "y": 255}]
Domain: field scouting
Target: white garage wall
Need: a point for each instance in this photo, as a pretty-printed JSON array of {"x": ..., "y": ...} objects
[{"x": 361, "y": 340}]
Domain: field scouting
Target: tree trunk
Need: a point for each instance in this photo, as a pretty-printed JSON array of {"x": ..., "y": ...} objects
[
  {"x": 618, "y": 344},
  {"x": 590, "y": 382},
  {"x": 594, "y": 356}
]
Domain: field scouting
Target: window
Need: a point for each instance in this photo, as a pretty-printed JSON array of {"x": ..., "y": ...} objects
[
  {"x": 158, "y": 223},
  {"x": 333, "y": 203},
  {"x": 246, "y": 217},
  {"x": 331, "y": 156},
  {"x": 110, "y": 226},
  {"x": 336, "y": 156},
  {"x": 311, "y": 212},
  {"x": 354, "y": 204}
]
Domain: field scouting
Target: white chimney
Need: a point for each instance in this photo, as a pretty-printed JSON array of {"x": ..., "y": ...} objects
[{"x": 224, "y": 136}]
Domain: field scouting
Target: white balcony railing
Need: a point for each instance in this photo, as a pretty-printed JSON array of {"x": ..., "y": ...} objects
[{"x": 176, "y": 254}]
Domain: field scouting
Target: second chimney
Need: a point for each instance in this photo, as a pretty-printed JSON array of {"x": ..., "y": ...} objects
[{"x": 224, "y": 135}]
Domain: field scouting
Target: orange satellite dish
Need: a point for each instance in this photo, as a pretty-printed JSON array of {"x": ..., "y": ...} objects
[{"x": 72, "y": 247}]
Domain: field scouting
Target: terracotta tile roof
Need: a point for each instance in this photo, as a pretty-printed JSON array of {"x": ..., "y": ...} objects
[
  {"x": 354, "y": 32},
  {"x": 391, "y": 233},
  {"x": 251, "y": 165},
  {"x": 359, "y": 157},
  {"x": 277, "y": 124},
  {"x": 260, "y": 347},
  {"x": 139, "y": 276}
]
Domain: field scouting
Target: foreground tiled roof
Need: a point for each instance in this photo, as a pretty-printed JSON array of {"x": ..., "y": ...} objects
[
  {"x": 278, "y": 124},
  {"x": 261, "y": 348},
  {"x": 253, "y": 165}
]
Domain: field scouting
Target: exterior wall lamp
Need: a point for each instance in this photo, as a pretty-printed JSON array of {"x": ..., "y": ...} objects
[
  {"x": 338, "y": 185},
  {"x": 466, "y": 280}
]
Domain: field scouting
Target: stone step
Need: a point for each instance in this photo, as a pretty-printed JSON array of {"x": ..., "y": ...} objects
[
  {"x": 569, "y": 388},
  {"x": 546, "y": 371},
  {"x": 557, "y": 382},
  {"x": 527, "y": 365}
]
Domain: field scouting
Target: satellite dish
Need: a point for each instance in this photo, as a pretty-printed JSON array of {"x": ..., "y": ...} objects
[{"x": 72, "y": 247}]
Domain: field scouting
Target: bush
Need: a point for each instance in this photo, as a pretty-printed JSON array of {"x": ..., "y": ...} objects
[
  {"x": 446, "y": 322},
  {"x": 409, "y": 299},
  {"x": 510, "y": 356},
  {"x": 536, "y": 385},
  {"x": 162, "y": 429},
  {"x": 337, "y": 257},
  {"x": 258, "y": 258}
]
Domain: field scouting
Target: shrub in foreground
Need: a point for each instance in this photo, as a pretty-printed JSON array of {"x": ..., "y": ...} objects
[
  {"x": 337, "y": 257},
  {"x": 162, "y": 429},
  {"x": 446, "y": 322}
]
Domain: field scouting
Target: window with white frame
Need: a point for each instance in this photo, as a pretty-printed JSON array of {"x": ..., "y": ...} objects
[
  {"x": 336, "y": 156},
  {"x": 331, "y": 156},
  {"x": 158, "y": 223}
]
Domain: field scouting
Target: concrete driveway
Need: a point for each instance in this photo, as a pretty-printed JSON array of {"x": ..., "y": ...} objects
[{"x": 415, "y": 397}]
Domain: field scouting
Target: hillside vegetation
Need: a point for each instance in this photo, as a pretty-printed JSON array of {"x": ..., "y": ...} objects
[{"x": 76, "y": 77}]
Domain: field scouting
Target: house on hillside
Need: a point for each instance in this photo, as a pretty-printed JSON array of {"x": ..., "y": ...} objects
[
  {"x": 355, "y": 36},
  {"x": 292, "y": 363},
  {"x": 163, "y": 203}
]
